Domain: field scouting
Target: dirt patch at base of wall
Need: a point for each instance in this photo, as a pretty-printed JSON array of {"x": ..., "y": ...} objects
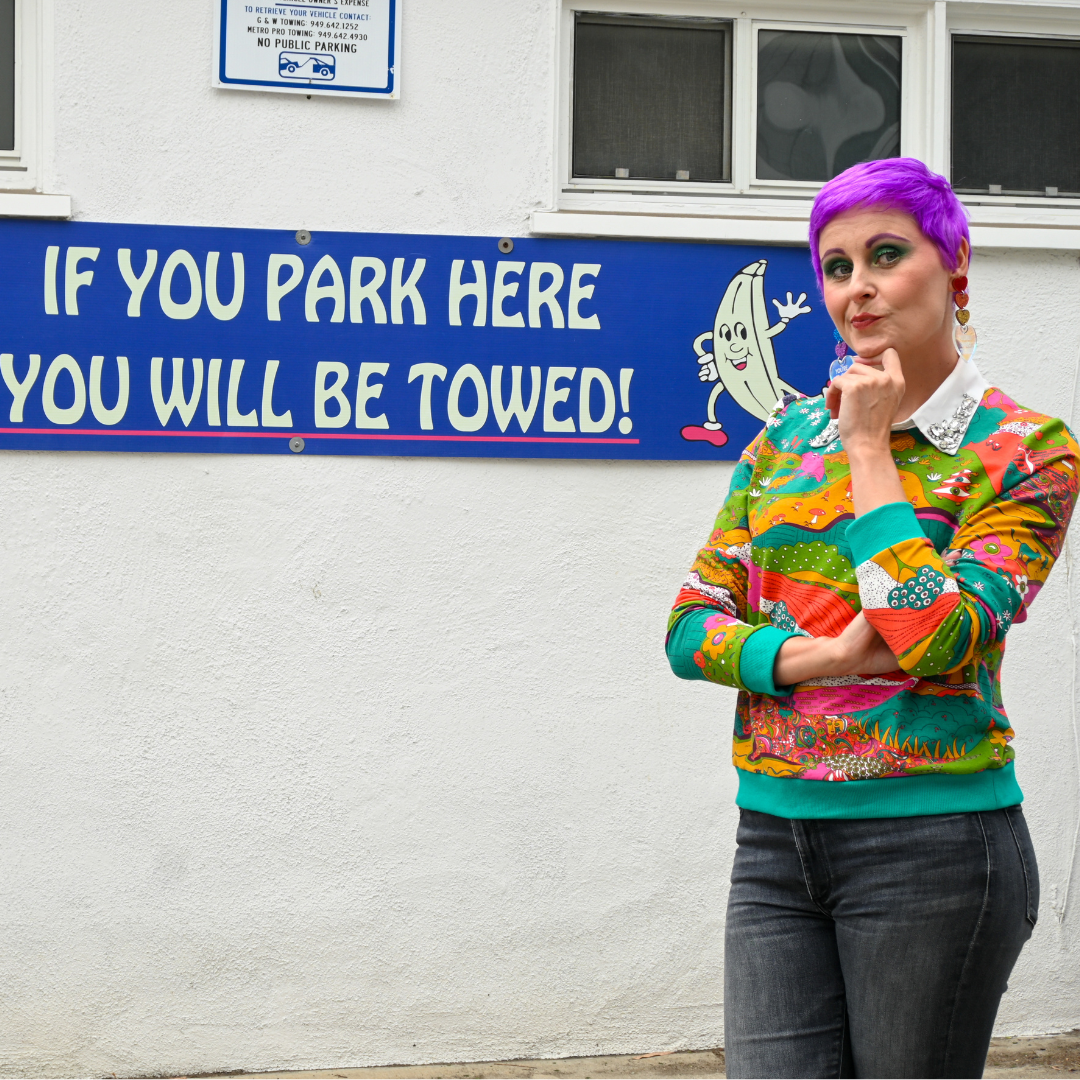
[
  {"x": 1025, "y": 1058},
  {"x": 1049, "y": 1055}
]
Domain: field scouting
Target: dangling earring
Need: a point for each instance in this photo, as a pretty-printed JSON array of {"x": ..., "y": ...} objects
[
  {"x": 963, "y": 333},
  {"x": 844, "y": 359}
]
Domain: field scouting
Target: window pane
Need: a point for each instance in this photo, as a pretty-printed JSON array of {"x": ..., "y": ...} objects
[
  {"x": 825, "y": 102},
  {"x": 651, "y": 98},
  {"x": 1014, "y": 115},
  {"x": 7, "y": 74}
]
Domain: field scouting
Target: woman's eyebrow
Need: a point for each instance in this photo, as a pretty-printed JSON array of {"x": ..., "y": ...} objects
[
  {"x": 886, "y": 236},
  {"x": 837, "y": 251}
]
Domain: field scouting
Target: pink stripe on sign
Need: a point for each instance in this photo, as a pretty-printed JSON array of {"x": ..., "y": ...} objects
[{"x": 312, "y": 435}]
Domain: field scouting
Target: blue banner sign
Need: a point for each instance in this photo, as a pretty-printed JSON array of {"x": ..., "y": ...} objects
[{"x": 164, "y": 338}]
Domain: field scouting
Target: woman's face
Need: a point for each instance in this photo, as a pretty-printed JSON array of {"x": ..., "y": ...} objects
[{"x": 885, "y": 286}]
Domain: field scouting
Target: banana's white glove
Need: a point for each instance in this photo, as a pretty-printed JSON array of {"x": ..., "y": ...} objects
[{"x": 791, "y": 308}]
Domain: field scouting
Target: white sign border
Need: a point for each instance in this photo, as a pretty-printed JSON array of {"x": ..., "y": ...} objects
[{"x": 391, "y": 93}]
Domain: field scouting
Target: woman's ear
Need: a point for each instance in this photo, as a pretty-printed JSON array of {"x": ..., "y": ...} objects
[{"x": 963, "y": 259}]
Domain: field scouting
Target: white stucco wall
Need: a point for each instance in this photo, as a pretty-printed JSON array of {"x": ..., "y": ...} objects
[{"x": 314, "y": 762}]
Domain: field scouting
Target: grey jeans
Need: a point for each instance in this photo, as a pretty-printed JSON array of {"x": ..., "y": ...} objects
[{"x": 873, "y": 948}]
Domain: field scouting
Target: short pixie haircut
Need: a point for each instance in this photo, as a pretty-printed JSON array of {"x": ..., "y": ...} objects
[{"x": 894, "y": 184}]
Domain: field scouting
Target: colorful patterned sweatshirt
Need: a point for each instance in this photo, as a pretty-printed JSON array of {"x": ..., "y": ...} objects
[{"x": 990, "y": 489}]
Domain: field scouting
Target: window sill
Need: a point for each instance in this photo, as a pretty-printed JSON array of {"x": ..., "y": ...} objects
[
  {"x": 764, "y": 221},
  {"x": 732, "y": 230},
  {"x": 27, "y": 204}
]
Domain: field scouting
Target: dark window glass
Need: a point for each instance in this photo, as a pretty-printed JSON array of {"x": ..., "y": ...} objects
[
  {"x": 7, "y": 74},
  {"x": 825, "y": 102},
  {"x": 1015, "y": 103},
  {"x": 651, "y": 98}
]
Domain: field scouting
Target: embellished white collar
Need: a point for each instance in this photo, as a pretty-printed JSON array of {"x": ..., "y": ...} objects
[{"x": 944, "y": 417}]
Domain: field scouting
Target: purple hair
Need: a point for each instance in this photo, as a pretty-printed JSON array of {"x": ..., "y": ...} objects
[{"x": 894, "y": 184}]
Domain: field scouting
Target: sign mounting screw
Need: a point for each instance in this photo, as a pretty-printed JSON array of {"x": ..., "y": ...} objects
[
  {"x": 303, "y": 236},
  {"x": 296, "y": 445},
  {"x": 506, "y": 245}
]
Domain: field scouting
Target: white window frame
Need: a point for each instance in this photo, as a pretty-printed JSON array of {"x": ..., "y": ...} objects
[
  {"x": 777, "y": 211},
  {"x": 24, "y": 171}
]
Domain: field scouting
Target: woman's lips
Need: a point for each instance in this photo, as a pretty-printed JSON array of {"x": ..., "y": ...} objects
[{"x": 861, "y": 322}]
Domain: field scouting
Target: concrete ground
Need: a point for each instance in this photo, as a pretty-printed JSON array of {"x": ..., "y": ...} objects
[{"x": 1022, "y": 1058}]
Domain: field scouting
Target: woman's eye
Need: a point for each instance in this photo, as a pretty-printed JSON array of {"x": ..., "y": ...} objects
[
  {"x": 888, "y": 256},
  {"x": 837, "y": 270}
]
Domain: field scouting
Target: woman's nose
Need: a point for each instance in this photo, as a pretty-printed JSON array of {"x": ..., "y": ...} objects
[{"x": 862, "y": 284}]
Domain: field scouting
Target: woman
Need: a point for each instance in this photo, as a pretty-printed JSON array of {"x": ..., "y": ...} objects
[{"x": 873, "y": 551}]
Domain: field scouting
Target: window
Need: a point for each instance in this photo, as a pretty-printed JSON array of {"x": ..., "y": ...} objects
[
  {"x": 652, "y": 98},
  {"x": 7, "y": 74},
  {"x": 720, "y": 119},
  {"x": 24, "y": 62},
  {"x": 1014, "y": 116},
  {"x": 659, "y": 99},
  {"x": 825, "y": 102}
]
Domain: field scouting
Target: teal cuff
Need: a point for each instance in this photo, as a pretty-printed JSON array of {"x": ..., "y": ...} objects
[
  {"x": 758, "y": 657},
  {"x": 684, "y": 641},
  {"x": 872, "y": 533}
]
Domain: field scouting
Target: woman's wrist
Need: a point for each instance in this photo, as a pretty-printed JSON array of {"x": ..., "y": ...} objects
[
  {"x": 799, "y": 659},
  {"x": 872, "y": 448},
  {"x": 875, "y": 479}
]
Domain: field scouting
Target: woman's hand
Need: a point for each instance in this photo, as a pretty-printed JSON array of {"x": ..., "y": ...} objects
[
  {"x": 859, "y": 650},
  {"x": 864, "y": 650},
  {"x": 865, "y": 400}
]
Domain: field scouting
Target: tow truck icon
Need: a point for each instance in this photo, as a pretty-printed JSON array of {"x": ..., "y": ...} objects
[{"x": 307, "y": 66}]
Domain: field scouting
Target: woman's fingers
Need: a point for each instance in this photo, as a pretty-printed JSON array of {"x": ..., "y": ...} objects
[
  {"x": 872, "y": 386},
  {"x": 869, "y": 361},
  {"x": 858, "y": 631},
  {"x": 887, "y": 363},
  {"x": 890, "y": 361},
  {"x": 867, "y": 652},
  {"x": 870, "y": 394}
]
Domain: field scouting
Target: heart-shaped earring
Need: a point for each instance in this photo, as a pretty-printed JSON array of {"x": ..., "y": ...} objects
[
  {"x": 964, "y": 337},
  {"x": 843, "y": 360}
]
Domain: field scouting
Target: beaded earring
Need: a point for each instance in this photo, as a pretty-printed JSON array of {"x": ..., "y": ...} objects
[
  {"x": 963, "y": 333},
  {"x": 844, "y": 358}
]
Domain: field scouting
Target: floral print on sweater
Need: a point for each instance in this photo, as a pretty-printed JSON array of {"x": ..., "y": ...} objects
[{"x": 941, "y": 577}]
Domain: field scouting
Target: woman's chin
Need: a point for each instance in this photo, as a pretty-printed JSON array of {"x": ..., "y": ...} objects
[{"x": 870, "y": 345}]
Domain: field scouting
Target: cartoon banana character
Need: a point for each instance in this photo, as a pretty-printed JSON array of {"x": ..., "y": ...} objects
[{"x": 742, "y": 361}]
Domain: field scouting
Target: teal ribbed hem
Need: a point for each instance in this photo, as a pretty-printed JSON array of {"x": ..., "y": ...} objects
[
  {"x": 684, "y": 641},
  {"x": 902, "y": 796},
  {"x": 757, "y": 659},
  {"x": 890, "y": 524}
]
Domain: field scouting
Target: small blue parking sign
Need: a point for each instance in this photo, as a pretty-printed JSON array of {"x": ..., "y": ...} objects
[{"x": 348, "y": 48}]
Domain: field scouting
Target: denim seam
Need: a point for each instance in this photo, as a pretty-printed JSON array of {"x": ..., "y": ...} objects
[
  {"x": 971, "y": 944},
  {"x": 844, "y": 1039},
  {"x": 1024, "y": 867},
  {"x": 828, "y": 866},
  {"x": 805, "y": 870},
  {"x": 823, "y": 854}
]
